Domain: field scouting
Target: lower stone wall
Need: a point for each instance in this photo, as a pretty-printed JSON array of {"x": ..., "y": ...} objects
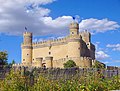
[{"x": 81, "y": 62}]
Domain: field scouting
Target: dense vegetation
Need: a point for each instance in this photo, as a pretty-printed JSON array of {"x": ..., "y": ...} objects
[
  {"x": 3, "y": 60},
  {"x": 69, "y": 64},
  {"x": 31, "y": 81},
  {"x": 22, "y": 80},
  {"x": 3, "y": 57}
]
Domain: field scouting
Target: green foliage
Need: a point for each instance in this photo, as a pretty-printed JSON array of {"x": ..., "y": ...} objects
[
  {"x": 69, "y": 64},
  {"x": 98, "y": 65},
  {"x": 3, "y": 57},
  {"x": 13, "y": 62},
  {"x": 14, "y": 82},
  {"x": 10, "y": 64},
  {"x": 87, "y": 82}
]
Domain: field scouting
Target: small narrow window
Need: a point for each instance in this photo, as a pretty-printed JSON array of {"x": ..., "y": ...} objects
[
  {"x": 23, "y": 59},
  {"x": 27, "y": 54},
  {"x": 67, "y": 56},
  {"x": 72, "y": 32},
  {"x": 49, "y": 53}
]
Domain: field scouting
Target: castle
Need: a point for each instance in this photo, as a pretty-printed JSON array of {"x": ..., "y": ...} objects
[{"x": 76, "y": 46}]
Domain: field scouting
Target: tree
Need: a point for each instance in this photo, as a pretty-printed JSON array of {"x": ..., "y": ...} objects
[
  {"x": 13, "y": 62},
  {"x": 3, "y": 57},
  {"x": 69, "y": 64},
  {"x": 98, "y": 65}
]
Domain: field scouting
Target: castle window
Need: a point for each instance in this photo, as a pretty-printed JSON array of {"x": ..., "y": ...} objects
[
  {"x": 67, "y": 56},
  {"x": 33, "y": 59},
  {"x": 27, "y": 54},
  {"x": 72, "y": 32},
  {"x": 23, "y": 59},
  {"x": 49, "y": 53}
]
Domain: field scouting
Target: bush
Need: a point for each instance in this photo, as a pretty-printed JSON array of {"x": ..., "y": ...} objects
[
  {"x": 69, "y": 64},
  {"x": 86, "y": 82}
]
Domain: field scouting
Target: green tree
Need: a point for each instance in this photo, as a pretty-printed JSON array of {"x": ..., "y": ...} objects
[
  {"x": 98, "y": 65},
  {"x": 69, "y": 64},
  {"x": 3, "y": 57},
  {"x": 10, "y": 64},
  {"x": 14, "y": 82},
  {"x": 13, "y": 62}
]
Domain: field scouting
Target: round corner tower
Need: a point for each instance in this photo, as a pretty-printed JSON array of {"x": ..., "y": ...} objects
[
  {"x": 27, "y": 48},
  {"x": 74, "y": 28},
  {"x": 74, "y": 41}
]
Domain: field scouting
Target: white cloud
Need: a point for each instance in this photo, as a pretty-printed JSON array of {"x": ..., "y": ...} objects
[
  {"x": 100, "y": 55},
  {"x": 106, "y": 62},
  {"x": 115, "y": 47},
  {"x": 58, "y": 22},
  {"x": 112, "y": 62},
  {"x": 14, "y": 19},
  {"x": 95, "y": 25},
  {"x": 17, "y": 14},
  {"x": 117, "y": 61}
]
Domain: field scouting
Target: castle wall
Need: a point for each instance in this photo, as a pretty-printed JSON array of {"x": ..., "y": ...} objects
[
  {"x": 55, "y": 51},
  {"x": 74, "y": 48},
  {"x": 27, "y": 56}
]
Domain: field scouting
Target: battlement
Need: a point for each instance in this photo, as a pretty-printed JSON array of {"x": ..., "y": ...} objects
[
  {"x": 51, "y": 42},
  {"x": 85, "y": 58},
  {"x": 74, "y": 58},
  {"x": 74, "y": 25},
  {"x": 86, "y": 36},
  {"x": 27, "y": 34}
]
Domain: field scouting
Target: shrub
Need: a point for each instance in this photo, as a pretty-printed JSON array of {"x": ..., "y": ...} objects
[{"x": 69, "y": 64}]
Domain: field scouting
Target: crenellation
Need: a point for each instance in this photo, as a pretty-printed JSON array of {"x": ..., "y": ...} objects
[{"x": 50, "y": 42}]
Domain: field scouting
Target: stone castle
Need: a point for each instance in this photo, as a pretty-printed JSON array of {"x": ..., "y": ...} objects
[{"x": 76, "y": 46}]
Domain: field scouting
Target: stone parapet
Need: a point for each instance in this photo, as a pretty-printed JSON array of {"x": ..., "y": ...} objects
[
  {"x": 27, "y": 34},
  {"x": 48, "y": 43},
  {"x": 55, "y": 42}
]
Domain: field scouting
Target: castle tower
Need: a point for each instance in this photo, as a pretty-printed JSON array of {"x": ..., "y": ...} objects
[
  {"x": 39, "y": 62},
  {"x": 49, "y": 62},
  {"x": 27, "y": 49},
  {"x": 86, "y": 36},
  {"x": 74, "y": 28},
  {"x": 74, "y": 40}
]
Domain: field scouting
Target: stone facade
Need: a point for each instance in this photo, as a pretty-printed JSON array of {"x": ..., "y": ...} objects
[{"x": 76, "y": 46}]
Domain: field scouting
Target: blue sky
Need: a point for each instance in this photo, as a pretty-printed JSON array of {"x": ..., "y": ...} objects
[{"x": 50, "y": 19}]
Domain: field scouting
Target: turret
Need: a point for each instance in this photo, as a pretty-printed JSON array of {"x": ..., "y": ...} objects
[
  {"x": 74, "y": 40},
  {"x": 27, "y": 38},
  {"x": 74, "y": 28},
  {"x": 86, "y": 36},
  {"x": 27, "y": 49},
  {"x": 49, "y": 62}
]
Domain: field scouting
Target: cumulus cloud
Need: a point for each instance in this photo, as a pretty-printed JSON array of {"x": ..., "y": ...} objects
[
  {"x": 117, "y": 61},
  {"x": 14, "y": 19},
  {"x": 115, "y": 47},
  {"x": 100, "y": 55},
  {"x": 112, "y": 62},
  {"x": 95, "y": 25},
  {"x": 17, "y": 14}
]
